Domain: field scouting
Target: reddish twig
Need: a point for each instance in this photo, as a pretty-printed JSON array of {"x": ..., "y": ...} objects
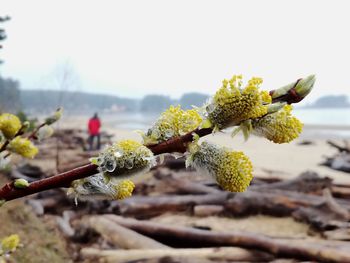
[
  {"x": 4, "y": 146},
  {"x": 177, "y": 144},
  {"x": 10, "y": 192}
]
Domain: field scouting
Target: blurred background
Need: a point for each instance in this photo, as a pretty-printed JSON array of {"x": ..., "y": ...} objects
[{"x": 130, "y": 60}]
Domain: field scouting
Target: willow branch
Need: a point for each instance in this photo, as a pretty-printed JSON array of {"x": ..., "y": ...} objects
[{"x": 177, "y": 144}]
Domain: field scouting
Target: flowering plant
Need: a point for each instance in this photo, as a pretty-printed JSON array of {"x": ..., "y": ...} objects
[{"x": 109, "y": 175}]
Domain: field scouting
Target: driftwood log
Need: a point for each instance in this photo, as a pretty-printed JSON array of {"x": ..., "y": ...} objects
[
  {"x": 272, "y": 202},
  {"x": 341, "y": 160},
  {"x": 148, "y": 206},
  {"x": 231, "y": 254},
  {"x": 302, "y": 249},
  {"x": 120, "y": 236}
]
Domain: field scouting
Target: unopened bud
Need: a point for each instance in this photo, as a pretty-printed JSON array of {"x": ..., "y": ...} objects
[
  {"x": 55, "y": 117},
  {"x": 305, "y": 85},
  {"x": 294, "y": 92},
  {"x": 21, "y": 183}
]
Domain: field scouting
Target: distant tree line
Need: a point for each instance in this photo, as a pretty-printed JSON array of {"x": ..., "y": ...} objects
[
  {"x": 158, "y": 103},
  {"x": 331, "y": 101},
  {"x": 46, "y": 100},
  {"x": 9, "y": 88},
  {"x": 9, "y": 95},
  {"x": 34, "y": 101}
]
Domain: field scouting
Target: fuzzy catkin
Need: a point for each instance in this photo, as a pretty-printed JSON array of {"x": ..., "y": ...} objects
[{"x": 232, "y": 170}]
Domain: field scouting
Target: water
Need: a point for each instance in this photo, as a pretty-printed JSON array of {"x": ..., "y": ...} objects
[
  {"x": 324, "y": 116},
  {"x": 328, "y": 123},
  {"x": 132, "y": 121}
]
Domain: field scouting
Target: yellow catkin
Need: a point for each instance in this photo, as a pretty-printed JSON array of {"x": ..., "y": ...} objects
[
  {"x": 171, "y": 123},
  {"x": 233, "y": 104},
  {"x": 9, "y": 125},
  {"x": 23, "y": 147},
  {"x": 232, "y": 170},
  {"x": 279, "y": 127},
  {"x": 124, "y": 189},
  {"x": 10, "y": 243}
]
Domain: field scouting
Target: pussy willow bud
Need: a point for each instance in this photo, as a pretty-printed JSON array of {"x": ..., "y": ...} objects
[
  {"x": 45, "y": 132},
  {"x": 171, "y": 123},
  {"x": 279, "y": 127},
  {"x": 297, "y": 90},
  {"x": 21, "y": 183},
  {"x": 232, "y": 170},
  {"x": 23, "y": 147},
  {"x": 305, "y": 85},
  {"x": 100, "y": 186},
  {"x": 233, "y": 104},
  {"x": 9, "y": 125},
  {"x": 124, "y": 158},
  {"x": 55, "y": 117}
]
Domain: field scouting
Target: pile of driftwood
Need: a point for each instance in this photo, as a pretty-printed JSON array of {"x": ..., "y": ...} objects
[
  {"x": 129, "y": 230},
  {"x": 341, "y": 160},
  {"x": 124, "y": 231}
]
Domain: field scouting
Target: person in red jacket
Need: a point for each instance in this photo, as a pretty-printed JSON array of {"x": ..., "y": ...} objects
[{"x": 94, "y": 131}]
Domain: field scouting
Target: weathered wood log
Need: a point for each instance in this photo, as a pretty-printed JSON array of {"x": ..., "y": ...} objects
[
  {"x": 231, "y": 254},
  {"x": 182, "y": 183},
  {"x": 303, "y": 249},
  {"x": 334, "y": 206},
  {"x": 307, "y": 182},
  {"x": 340, "y": 191},
  {"x": 174, "y": 164},
  {"x": 208, "y": 210},
  {"x": 271, "y": 202},
  {"x": 120, "y": 236},
  {"x": 325, "y": 215},
  {"x": 338, "y": 234},
  {"x": 340, "y": 162},
  {"x": 178, "y": 260},
  {"x": 148, "y": 206},
  {"x": 338, "y": 147},
  {"x": 171, "y": 185}
]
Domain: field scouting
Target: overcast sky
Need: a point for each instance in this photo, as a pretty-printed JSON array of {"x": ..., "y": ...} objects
[{"x": 132, "y": 48}]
